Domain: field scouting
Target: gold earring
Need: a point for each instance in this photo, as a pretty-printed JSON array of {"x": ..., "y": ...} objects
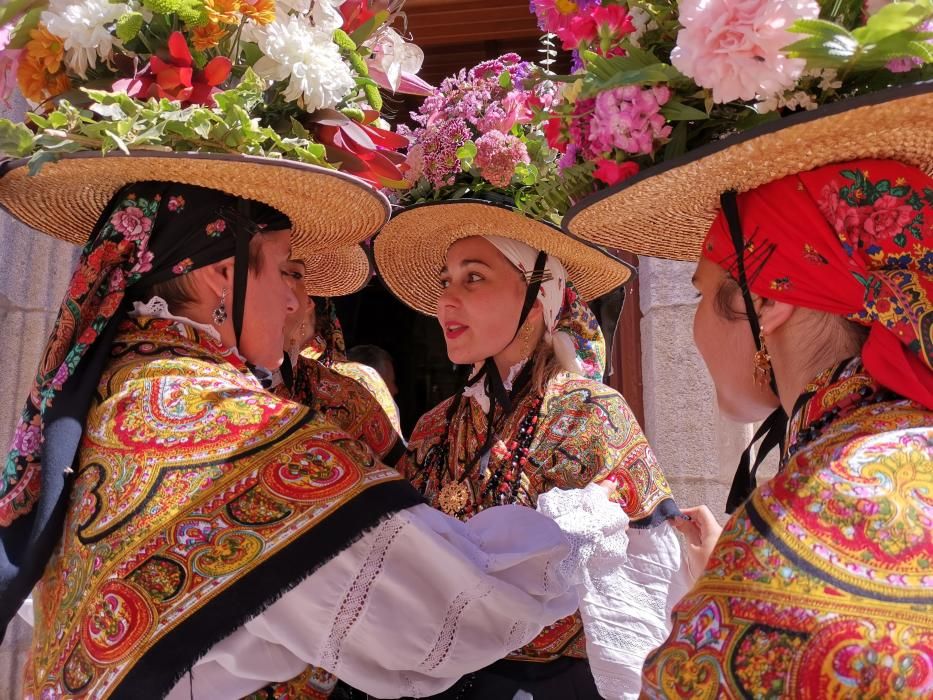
[
  {"x": 762, "y": 362},
  {"x": 525, "y": 339}
]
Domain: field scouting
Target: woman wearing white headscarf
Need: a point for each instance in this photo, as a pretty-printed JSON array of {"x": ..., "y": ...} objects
[{"x": 534, "y": 417}]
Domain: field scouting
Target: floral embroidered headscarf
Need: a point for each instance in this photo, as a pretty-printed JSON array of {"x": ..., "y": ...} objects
[
  {"x": 854, "y": 239},
  {"x": 150, "y": 232}
]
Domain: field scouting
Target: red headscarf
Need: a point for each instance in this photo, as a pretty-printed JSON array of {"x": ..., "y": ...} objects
[{"x": 854, "y": 239}]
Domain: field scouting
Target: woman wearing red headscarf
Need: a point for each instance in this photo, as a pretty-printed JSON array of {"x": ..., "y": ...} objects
[{"x": 816, "y": 297}]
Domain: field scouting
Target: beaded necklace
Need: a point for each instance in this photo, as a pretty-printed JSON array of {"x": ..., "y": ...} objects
[{"x": 454, "y": 497}]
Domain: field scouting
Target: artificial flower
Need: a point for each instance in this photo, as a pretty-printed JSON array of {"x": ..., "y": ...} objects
[
  {"x": 629, "y": 119},
  {"x": 735, "y": 47},
  {"x": 497, "y": 155},
  {"x": 85, "y": 27},
  {"x": 177, "y": 78},
  {"x": 9, "y": 63},
  {"x": 46, "y": 49},
  {"x": 259, "y": 11},
  {"x": 308, "y": 59},
  {"x": 611, "y": 172},
  {"x": 395, "y": 59}
]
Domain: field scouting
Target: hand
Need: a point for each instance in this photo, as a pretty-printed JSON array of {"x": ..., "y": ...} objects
[{"x": 701, "y": 532}]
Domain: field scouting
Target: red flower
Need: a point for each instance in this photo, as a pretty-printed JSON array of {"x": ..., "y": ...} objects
[
  {"x": 554, "y": 134},
  {"x": 581, "y": 29},
  {"x": 888, "y": 217},
  {"x": 177, "y": 79},
  {"x": 611, "y": 172},
  {"x": 612, "y": 21},
  {"x": 356, "y": 13},
  {"x": 361, "y": 148}
]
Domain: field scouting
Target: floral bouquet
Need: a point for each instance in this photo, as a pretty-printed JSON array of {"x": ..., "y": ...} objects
[
  {"x": 478, "y": 135},
  {"x": 297, "y": 79},
  {"x": 655, "y": 78}
]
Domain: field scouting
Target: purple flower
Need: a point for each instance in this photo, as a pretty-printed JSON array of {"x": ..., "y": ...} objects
[
  {"x": 27, "y": 439},
  {"x": 438, "y": 150},
  {"x": 629, "y": 119},
  {"x": 497, "y": 154}
]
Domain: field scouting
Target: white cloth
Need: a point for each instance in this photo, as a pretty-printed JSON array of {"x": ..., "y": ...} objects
[
  {"x": 408, "y": 609},
  {"x": 627, "y": 581}
]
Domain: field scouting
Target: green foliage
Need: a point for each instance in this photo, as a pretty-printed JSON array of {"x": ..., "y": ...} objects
[{"x": 114, "y": 121}]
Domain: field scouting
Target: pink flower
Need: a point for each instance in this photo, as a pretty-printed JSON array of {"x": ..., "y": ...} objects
[
  {"x": 132, "y": 223},
  {"x": 733, "y": 47},
  {"x": 215, "y": 228},
  {"x": 143, "y": 262},
  {"x": 889, "y": 217},
  {"x": 629, "y": 119},
  {"x": 176, "y": 203},
  {"x": 557, "y": 16},
  {"x": 611, "y": 172},
  {"x": 497, "y": 154},
  {"x": 9, "y": 63},
  {"x": 439, "y": 143}
]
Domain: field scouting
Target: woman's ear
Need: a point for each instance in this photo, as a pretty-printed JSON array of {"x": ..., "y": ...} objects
[
  {"x": 217, "y": 277},
  {"x": 774, "y": 314}
]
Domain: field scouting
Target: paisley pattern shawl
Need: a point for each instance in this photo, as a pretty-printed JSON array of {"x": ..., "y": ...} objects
[
  {"x": 585, "y": 433},
  {"x": 198, "y": 499},
  {"x": 351, "y": 398},
  {"x": 822, "y": 584}
]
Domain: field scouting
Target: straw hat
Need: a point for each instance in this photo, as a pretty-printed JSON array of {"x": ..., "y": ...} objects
[
  {"x": 330, "y": 211},
  {"x": 410, "y": 250},
  {"x": 666, "y": 211}
]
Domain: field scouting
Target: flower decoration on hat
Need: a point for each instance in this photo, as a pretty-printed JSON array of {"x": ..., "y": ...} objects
[
  {"x": 656, "y": 78},
  {"x": 478, "y": 135},
  {"x": 296, "y": 79}
]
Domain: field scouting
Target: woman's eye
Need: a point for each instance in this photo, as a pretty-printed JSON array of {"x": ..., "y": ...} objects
[
  {"x": 474, "y": 277},
  {"x": 444, "y": 283},
  {"x": 293, "y": 275}
]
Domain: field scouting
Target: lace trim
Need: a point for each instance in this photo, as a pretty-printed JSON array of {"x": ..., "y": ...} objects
[
  {"x": 157, "y": 307},
  {"x": 356, "y": 597},
  {"x": 517, "y": 635},
  {"x": 477, "y": 391},
  {"x": 445, "y": 639}
]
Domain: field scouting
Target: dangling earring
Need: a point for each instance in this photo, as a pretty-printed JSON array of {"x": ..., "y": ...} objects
[
  {"x": 762, "y": 362},
  {"x": 220, "y": 313},
  {"x": 525, "y": 339}
]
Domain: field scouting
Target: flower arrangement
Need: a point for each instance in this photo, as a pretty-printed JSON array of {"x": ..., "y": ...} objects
[
  {"x": 477, "y": 135},
  {"x": 655, "y": 78},
  {"x": 291, "y": 78}
]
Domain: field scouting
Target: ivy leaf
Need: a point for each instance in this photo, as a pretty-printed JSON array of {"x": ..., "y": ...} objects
[{"x": 16, "y": 140}]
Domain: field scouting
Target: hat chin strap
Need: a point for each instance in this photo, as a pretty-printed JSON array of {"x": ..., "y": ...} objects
[
  {"x": 240, "y": 269},
  {"x": 773, "y": 430}
]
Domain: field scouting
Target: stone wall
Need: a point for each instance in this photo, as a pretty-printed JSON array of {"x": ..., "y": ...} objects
[
  {"x": 34, "y": 273},
  {"x": 697, "y": 447}
]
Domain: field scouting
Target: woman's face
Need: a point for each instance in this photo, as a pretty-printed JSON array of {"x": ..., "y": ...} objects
[
  {"x": 270, "y": 298},
  {"x": 299, "y": 325},
  {"x": 481, "y": 301},
  {"x": 728, "y": 349}
]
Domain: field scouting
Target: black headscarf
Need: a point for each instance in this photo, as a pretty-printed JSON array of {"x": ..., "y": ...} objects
[{"x": 150, "y": 232}]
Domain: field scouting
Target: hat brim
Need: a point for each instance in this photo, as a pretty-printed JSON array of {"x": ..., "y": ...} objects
[
  {"x": 328, "y": 209},
  {"x": 411, "y": 249},
  {"x": 666, "y": 211},
  {"x": 337, "y": 272}
]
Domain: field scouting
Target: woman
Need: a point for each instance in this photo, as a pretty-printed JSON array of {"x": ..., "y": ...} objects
[
  {"x": 315, "y": 372},
  {"x": 533, "y": 417},
  {"x": 191, "y": 534},
  {"x": 817, "y": 281}
]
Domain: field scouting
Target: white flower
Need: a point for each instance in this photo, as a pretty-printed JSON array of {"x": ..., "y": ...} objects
[
  {"x": 84, "y": 28},
  {"x": 326, "y": 15},
  {"x": 302, "y": 7},
  {"x": 394, "y": 56},
  {"x": 307, "y": 57},
  {"x": 642, "y": 22}
]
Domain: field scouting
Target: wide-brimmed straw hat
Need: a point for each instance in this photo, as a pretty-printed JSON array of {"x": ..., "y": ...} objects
[
  {"x": 410, "y": 250},
  {"x": 666, "y": 211},
  {"x": 330, "y": 211}
]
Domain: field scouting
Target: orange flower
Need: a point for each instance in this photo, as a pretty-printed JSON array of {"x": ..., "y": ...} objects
[
  {"x": 46, "y": 48},
  {"x": 260, "y": 11},
  {"x": 207, "y": 36},
  {"x": 36, "y": 83},
  {"x": 223, "y": 11}
]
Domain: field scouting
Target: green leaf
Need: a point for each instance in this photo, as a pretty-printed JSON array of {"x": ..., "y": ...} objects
[
  {"x": 16, "y": 139},
  {"x": 40, "y": 159},
  {"x": 675, "y": 110},
  {"x": 527, "y": 173},
  {"x": 365, "y": 30},
  {"x": 467, "y": 151},
  {"x": 678, "y": 143},
  {"x": 900, "y": 239},
  {"x": 505, "y": 80},
  {"x": 893, "y": 19}
]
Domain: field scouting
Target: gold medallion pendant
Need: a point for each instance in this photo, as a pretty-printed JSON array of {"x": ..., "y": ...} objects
[{"x": 453, "y": 497}]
